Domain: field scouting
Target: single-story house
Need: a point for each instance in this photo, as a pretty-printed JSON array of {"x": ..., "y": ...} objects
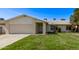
[{"x": 24, "y": 24}]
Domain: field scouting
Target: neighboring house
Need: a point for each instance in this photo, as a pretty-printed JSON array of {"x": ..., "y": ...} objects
[{"x": 24, "y": 24}]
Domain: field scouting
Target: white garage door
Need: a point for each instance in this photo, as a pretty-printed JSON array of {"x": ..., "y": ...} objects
[{"x": 21, "y": 28}]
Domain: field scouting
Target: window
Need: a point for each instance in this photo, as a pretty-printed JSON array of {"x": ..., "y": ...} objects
[
  {"x": 52, "y": 27},
  {"x": 68, "y": 27}
]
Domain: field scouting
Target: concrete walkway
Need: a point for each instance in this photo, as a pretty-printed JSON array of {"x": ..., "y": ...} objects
[{"x": 10, "y": 38}]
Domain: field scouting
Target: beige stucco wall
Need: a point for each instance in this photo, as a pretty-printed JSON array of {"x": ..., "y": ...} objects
[
  {"x": 21, "y": 25},
  {"x": 63, "y": 28},
  {"x": 48, "y": 28}
]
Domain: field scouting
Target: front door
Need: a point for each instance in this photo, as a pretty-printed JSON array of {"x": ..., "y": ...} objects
[
  {"x": 39, "y": 28},
  {"x": 0, "y": 30}
]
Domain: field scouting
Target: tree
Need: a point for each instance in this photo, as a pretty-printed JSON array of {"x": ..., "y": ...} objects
[
  {"x": 1, "y": 18},
  {"x": 45, "y": 19},
  {"x": 72, "y": 22},
  {"x": 63, "y": 19},
  {"x": 54, "y": 19},
  {"x": 76, "y": 16},
  {"x": 74, "y": 19}
]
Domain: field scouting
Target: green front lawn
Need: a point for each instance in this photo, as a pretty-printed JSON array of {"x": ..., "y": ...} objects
[{"x": 60, "y": 41}]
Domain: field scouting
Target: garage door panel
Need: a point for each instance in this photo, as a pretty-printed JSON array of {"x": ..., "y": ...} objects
[{"x": 21, "y": 28}]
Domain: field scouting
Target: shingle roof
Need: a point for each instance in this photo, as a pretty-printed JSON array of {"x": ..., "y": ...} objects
[
  {"x": 49, "y": 22},
  {"x": 23, "y": 15},
  {"x": 59, "y": 22}
]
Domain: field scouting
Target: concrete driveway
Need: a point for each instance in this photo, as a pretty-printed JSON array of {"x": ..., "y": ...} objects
[{"x": 10, "y": 38}]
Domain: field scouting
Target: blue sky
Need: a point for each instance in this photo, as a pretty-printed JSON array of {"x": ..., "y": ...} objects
[{"x": 39, "y": 13}]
